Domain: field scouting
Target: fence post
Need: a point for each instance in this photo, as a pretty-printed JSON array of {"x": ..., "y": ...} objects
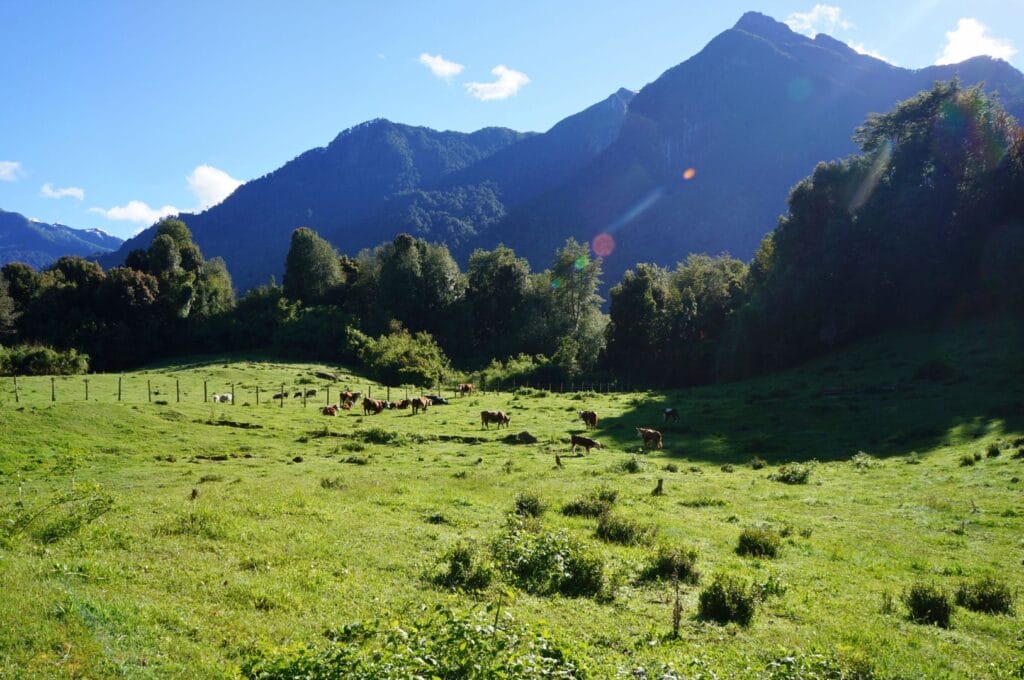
[
  {"x": 206, "y": 395},
  {"x": 119, "y": 388},
  {"x": 389, "y": 393},
  {"x": 86, "y": 381},
  {"x": 232, "y": 394},
  {"x": 149, "y": 390},
  {"x": 282, "y": 395},
  {"x": 328, "y": 403},
  {"x": 17, "y": 397},
  {"x": 53, "y": 390},
  {"x": 177, "y": 391},
  {"x": 257, "y": 395},
  {"x": 303, "y": 397}
]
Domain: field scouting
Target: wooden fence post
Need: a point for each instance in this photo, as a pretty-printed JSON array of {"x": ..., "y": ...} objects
[
  {"x": 119, "y": 388},
  {"x": 257, "y": 395},
  {"x": 232, "y": 394},
  {"x": 328, "y": 396},
  {"x": 149, "y": 390},
  {"x": 282, "y": 395},
  {"x": 17, "y": 397},
  {"x": 206, "y": 394},
  {"x": 389, "y": 393},
  {"x": 86, "y": 389},
  {"x": 53, "y": 390},
  {"x": 303, "y": 397},
  {"x": 177, "y": 391}
]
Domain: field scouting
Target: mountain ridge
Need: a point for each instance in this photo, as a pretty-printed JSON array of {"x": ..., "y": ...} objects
[{"x": 39, "y": 243}]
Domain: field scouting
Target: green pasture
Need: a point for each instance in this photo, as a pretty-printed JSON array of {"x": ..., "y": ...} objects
[{"x": 171, "y": 538}]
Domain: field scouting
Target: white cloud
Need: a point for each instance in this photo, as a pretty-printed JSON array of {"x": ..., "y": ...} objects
[
  {"x": 210, "y": 185},
  {"x": 9, "y": 170},
  {"x": 508, "y": 83},
  {"x": 971, "y": 39},
  {"x": 860, "y": 48},
  {"x": 136, "y": 211},
  {"x": 441, "y": 67},
  {"x": 47, "y": 191},
  {"x": 821, "y": 19}
]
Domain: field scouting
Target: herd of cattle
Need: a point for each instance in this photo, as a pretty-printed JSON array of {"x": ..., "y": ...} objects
[{"x": 651, "y": 438}]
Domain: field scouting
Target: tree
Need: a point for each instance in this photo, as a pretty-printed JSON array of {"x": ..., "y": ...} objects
[
  {"x": 8, "y": 312},
  {"x": 638, "y": 327},
  {"x": 496, "y": 294},
  {"x": 312, "y": 268}
]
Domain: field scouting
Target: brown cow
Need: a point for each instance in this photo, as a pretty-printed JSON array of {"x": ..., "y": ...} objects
[
  {"x": 650, "y": 437},
  {"x": 466, "y": 388},
  {"x": 589, "y": 418},
  {"x": 331, "y": 410},
  {"x": 420, "y": 404},
  {"x": 346, "y": 406},
  {"x": 585, "y": 442},
  {"x": 374, "y": 405},
  {"x": 404, "y": 403},
  {"x": 499, "y": 417}
]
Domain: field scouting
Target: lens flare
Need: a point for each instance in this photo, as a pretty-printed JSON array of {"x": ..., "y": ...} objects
[
  {"x": 603, "y": 245},
  {"x": 581, "y": 262},
  {"x": 556, "y": 283},
  {"x": 689, "y": 173},
  {"x": 879, "y": 165}
]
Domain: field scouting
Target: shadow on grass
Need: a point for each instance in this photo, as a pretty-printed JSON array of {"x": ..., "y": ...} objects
[{"x": 888, "y": 397}]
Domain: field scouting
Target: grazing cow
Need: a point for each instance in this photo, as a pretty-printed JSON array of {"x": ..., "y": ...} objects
[
  {"x": 349, "y": 396},
  {"x": 280, "y": 395},
  {"x": 345, "y": 406},
  {"x": 404, "y": 403},
  {"x": 373, "y": 406},
  {"x": 297, "y": 395},
  {"x": 499, "y": 417},
  {"x": 671, "y": 415},
  {"x": 222, "y": 398},
  {"x": 585, "y": 442},
  {"x": 331, "y": 410},
  {"x": 420, "y": 404},
  {"x": 310, "y": 393},
  {"x": 392, "y": 405},
  {"x": 466, "y": 388},
  {"x": 589, "y": 418},
  {"x": 435, "y": 400},
  {"x": 650, "y": 437}
]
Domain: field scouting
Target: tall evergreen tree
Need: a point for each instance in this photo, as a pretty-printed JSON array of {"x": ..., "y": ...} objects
[{"x": 312, "y": 269}]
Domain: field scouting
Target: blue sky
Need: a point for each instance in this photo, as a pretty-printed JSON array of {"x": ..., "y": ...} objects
[{"x": 116, "y": 111}]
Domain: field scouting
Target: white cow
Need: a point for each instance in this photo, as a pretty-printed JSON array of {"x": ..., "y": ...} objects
[{"x": 222, "y": 398}]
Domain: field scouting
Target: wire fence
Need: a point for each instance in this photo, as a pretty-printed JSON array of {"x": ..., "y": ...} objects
[{"x": 166, "y": 388}]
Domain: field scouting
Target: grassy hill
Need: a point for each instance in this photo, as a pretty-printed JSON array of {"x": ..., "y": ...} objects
[{"x": 303, "y": 523}]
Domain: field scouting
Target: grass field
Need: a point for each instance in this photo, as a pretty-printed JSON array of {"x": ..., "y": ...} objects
[{"x": 302, "y": 523}]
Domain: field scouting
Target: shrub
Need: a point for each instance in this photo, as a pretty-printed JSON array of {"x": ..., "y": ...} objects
[
  {"x": 727, "y": 598},
  {"x": 758, "y": 463},
  {"x": 631, "y": 465},
  {"x": 967, "y": 460},
  {"x": 334, "y": 483},
  {"x": 977, "y": 455},
  {"x": 671, "y": 467},
  {"x": 987, "y": 595},
  {"x": 864, "y": 461},
  {"x": 401, "y": 358},
  {"x": 440, "y": 644},
  {"x": 593, "y": 504},
  {"x": 39, "y": 360},
  {"x": 928, "y": 604},
  {"x": 378, "y": 435},
  {"x": 615, "y": 528},
  {"x": 545, "y": 562},
  {"x": 759, "y": 542},
  {"x": 728, "y": 468},
  {"x": 466, "y": 567},
  {"x": 670, "y": 561},
  {"x": 993, "y": 450},
  {"x": 794, "y": 473},
  {"x": 529, "y": 504}
]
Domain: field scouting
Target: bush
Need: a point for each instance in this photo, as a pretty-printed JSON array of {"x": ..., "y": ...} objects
[
  {"x": 593, "y": 504},
  {"x": 758, "y": 463},
  {"x": 529, "y": 504},
  {"x": 864, "y": 461},
  {"x": 728, "y": 468},
  {"x": 39, "y": 360},
  {"x": 759, "y": 542},
  {"x": 466, "y": 567},
  {"x": 671, "y": 467},
  {"x": 631, "y": 465},
  {"x": 967, "y": 460},
  {"x": 726, "y": 599},
  {"x": 987, "y": 595},
  {"x": 928, "y": 604},
  {"x": 441, "y": 644},
  {"x": 546, "y": 562},
  {"x": 794, "y": 473},
  {"x": 401, "y": 358},
  {"x": 615, "y": 528},
  {"x": 672, "y": 561},
  {"x": 993, "y": 450}
]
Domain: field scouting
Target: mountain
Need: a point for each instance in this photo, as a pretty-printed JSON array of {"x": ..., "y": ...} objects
[
  {"x": 744, "y": 119},
  {"x": 751, "y": 114},
  {"x": 39, "y": 244}
]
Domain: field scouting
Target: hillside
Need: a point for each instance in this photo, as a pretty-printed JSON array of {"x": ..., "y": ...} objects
[
  {"x": 751, "y": 114},
  {"x": 301, "y": 524},
  {"x": 39, "y": 244}
]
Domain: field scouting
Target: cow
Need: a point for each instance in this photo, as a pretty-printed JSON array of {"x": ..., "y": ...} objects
[
  {"x": 466, "y": 388},
  {"x": 499, "y": 417},
  {"x": 372, "y": 405},
  {"x": 349, "y": 396},
  {"x": 280, "y": 395},
  {"x": 671, "y": 415},
  {"x": 311, "y": 393},
  {"x": 392, "y": 405},
  {"x": 420, "y": 404},
  {"x": 331, "y": 410},
  {"x": 345, "y": 406},
  {"x": 585, "y": 442},
  {"x": 222, "y": 398},
  {"x": 650, "y": 437},
  {"x": 436, "y": 400},
  {"x": 589, "y": 418},
  {"x": 297, "y": 395},
  {"x": 404, "y": 404}
]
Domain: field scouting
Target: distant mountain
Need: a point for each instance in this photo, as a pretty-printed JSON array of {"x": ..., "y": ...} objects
[
  {"x": 39, "y": 244},
  {"x": 749, "y": 116}
]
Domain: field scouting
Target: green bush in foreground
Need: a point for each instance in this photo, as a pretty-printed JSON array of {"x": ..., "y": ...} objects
[
  {"x": 727, "y": 599},
  {"x": 467, "y": 566},
  {"x": 546, "y": 562},
  {"x": 529, "y": 504},
  {"x": 759, "y": 542},
  {"x": 441, "y": 644},
  {"x": 987, "y": 595},
  {"x": 593, "y": 504},
  {"x": 615, "y": 528},
  {"x": 794, "y": 473},
  {"x": 672, "y": 561},
  {"x": 928, "y": 604}
]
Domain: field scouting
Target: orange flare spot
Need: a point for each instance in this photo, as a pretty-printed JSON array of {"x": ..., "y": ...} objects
[{"x": 689, "y": 173}]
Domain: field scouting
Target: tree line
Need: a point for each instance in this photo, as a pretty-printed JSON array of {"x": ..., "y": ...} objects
[{"x": 924, "y": 225}]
